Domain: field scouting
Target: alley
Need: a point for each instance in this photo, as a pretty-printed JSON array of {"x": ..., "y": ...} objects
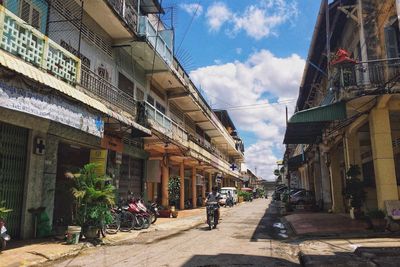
[{"x": 242, "y": 239}]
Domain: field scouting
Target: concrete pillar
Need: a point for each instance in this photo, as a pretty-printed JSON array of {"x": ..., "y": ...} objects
[
  {"x": 203, "y": 188},
  {"x": 336, "y": 182},
  {"x": 194, "y": 191},
  {"x": 382, "y": 153},
  {"x": 317, "y": 179},
  {"x": 164, "y": 185},
  {"x": 182, "y": 189},
  {"x": 210, "y": 184}
]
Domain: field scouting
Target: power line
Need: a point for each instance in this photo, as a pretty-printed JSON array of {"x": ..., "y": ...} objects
[
  {"x": 190, "y": 24},
  {"x": 261, "y": 105}
]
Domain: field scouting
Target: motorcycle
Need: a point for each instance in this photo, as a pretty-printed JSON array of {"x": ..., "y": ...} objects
[
  {"x": 4, "y": 237},
  {"x": 153, "y": 210},
  {"x": 212, "y": 214},
  {"x": 142, "y": 217}
]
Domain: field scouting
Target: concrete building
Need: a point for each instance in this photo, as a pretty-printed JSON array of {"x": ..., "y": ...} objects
[
  {"x": 97, "y": 81},
  {"x": 347, "y": 110}
]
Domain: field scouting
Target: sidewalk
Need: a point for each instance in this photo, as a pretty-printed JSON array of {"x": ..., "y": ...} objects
[{"x": 35, "y": 252}]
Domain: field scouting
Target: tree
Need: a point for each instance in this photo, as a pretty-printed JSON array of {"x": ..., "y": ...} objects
[{"x": 174, "y": 187}]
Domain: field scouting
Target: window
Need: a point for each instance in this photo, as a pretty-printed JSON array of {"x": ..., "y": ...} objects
[
  {"x": 30, "y": 13},
  {"x": 125, "y": 84},
  {"x": 150, "y": 100},
  {"x": 160, "y": 107},
  {"x": 139, "y": 94},
  {"x": 392, "y": 39}
]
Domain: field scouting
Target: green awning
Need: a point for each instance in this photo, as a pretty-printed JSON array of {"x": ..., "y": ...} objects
[
  {"x": 295, "y": 162},
  {"x": 304, "y": 127}
]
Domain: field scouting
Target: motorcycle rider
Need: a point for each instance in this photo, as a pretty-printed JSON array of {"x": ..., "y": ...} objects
[{"x": 214, "y": 196}]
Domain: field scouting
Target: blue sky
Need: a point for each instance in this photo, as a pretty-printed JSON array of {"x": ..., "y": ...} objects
[{"x": 247, "y": 56}]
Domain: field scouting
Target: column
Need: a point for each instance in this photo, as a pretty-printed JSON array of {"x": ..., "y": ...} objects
[
  {"x": 382, "y": 154},
  {"x": 194, "y": 191},
  {"x": 336, "y": 182},
  {"x": 203, "y": 188},
  {"x": 182, "y": 189},
  {"x": 209, "y": 182},
  {"x": 164, "y": 185}
]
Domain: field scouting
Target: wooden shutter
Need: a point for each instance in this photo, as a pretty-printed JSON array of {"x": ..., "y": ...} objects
[
  {"x": 35, "y": 18},
  {"x": 25, "y": 11}
]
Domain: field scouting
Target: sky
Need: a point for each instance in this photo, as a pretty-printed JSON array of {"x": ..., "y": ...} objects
[{"x": 248, "y": 57}]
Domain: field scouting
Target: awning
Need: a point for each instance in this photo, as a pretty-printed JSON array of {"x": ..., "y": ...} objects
[
  {"x": 304, "y": 127},
  {"x": 295, "y": 162},
  {"x": 36, "y": 74}
]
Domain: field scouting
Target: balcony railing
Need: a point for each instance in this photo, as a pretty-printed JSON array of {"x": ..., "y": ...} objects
[
  {"x": 127, "y": 11},
  {"x": 164, "y": 124},
  {"x": 208, "y": 146},
  {"x": 372, "y": 74},
  {"x": 107, "y": 92},
  {"x": 155, "y": 39},
  {"x": 23, "y": 41}
]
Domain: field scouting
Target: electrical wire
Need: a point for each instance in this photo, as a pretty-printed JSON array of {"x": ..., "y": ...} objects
[{"x": 190, "y": 24}]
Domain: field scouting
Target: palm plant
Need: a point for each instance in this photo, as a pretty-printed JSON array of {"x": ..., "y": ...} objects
[
  {"x": 94, "y": 195},
  {"x": 3, "y": 210}
]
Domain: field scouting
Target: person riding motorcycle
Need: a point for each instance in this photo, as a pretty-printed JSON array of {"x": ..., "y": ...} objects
[{"x": 214, "y": 196}]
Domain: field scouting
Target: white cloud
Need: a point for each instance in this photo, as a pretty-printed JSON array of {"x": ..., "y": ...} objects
[
  {"x": 246, "y": 89},
  {"x": 238, "y": 50},
  {"x": 258, "y": 21},
  {"x": 217, "y": 14},
  {"x": 193, "y": 9}
]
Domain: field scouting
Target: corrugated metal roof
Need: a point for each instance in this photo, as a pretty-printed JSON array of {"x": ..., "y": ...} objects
[
  {"x": 36, "y": 74},
  {"x": 326, "y": 113}
]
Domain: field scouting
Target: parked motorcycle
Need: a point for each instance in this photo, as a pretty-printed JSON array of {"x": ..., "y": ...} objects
[
  {"x": 4, "y": 237},
  {"x": 153, "y": 211},
  {"x": 142, "y": 217},
  {"x": 212, "y": 214}
]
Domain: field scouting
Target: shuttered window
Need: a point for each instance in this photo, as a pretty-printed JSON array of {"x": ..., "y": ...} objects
[{"x": 30, "y": 14}]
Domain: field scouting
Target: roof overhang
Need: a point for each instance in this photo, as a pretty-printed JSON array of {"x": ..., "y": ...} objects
[{"x": 304, "y": 127}]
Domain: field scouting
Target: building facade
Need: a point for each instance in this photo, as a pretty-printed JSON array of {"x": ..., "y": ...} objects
[
  {"x": 347, "y": 110},
  {"x": 97, "y": 81}
]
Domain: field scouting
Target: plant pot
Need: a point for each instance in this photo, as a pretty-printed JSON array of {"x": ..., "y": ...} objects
[
  {"x": 174, "y": 214},
  {"x": 165, "y": 213},
  {"x": 378, "y": 224},
  {"x": 240, "y": 199},
  {"x": 73, "y": 234},
  {"x": 91, "y": 232}
]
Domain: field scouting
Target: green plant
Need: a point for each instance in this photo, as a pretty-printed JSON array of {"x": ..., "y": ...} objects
[
  {"x": 3, "y": 210},
  {"x": 94, "y": 195},
  {"x": 354, "y": 187},
  {"x": 246, "y": 195},
  {"x": 174, "y": 187},
  {"x": 376, "y": 214}
]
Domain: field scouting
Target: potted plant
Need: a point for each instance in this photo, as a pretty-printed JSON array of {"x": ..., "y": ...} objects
[
  {"x": 355, "y": 191},
  {"x": 174, "y": 187},
  {"x": 94, "y": 195},
  {"x": 3, "y": 210},
  {"x": 376, "y": 219}
]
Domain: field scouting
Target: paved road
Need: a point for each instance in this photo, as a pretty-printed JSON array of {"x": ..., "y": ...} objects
[{"x": 245, "y": 237}]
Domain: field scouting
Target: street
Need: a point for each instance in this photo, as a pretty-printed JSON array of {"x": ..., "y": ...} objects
[{"x": 243, "y": 238}]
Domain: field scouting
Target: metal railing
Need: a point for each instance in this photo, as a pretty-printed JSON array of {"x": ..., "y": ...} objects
[
  {"x": 208, "y": 146},
  {"x": 106, "y": 91},
  {"x": 24, "y": 41},
  {"x": 127, "y": 11},
  {"x": 155, "y": 39},
  {"x": 164, "y": 124},
  {"x": 374, "y": 74}
]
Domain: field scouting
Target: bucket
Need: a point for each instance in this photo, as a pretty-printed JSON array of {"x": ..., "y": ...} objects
[{"x": 73, "y": 233}]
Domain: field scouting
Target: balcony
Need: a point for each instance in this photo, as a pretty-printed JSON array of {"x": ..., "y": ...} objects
[
  {"x": 165, "y": 125},
  {"x": 107, "y": 92},
  {"x": 127, "y": 12},
  {"x": 159, "y": 40},
  {"x": 371, "y": 75},
  {"x": 23, "y": 41}
]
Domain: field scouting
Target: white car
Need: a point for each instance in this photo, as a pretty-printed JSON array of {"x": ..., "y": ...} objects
[{"x": 224, "y": 194}]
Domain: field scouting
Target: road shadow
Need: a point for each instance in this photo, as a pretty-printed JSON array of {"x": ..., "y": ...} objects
[
  {"x": 270, "y": 227},
  {"x": 235, "y": 260}
]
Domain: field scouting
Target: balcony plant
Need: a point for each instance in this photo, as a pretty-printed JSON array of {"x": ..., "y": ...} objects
[
  {"x": 354, "y": 191},
  {"x": 94, "y": 195},
  {"x": 376, "y": 219}
]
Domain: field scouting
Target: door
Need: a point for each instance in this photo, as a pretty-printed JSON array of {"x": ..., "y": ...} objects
[
  {"x": 71, "y": 159},
  {"x": 130, "y": 176},
  {"x": 13, "y": 156}
]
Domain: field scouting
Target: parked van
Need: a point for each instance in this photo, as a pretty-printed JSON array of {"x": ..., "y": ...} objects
[{"x": 224, "y": 194}]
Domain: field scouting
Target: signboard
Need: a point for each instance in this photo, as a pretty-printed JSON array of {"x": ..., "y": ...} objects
[
  {"x": 99, "y": 157},
  {"x": 112, "y": 143},
  {"x": 52, "y": 107}
]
